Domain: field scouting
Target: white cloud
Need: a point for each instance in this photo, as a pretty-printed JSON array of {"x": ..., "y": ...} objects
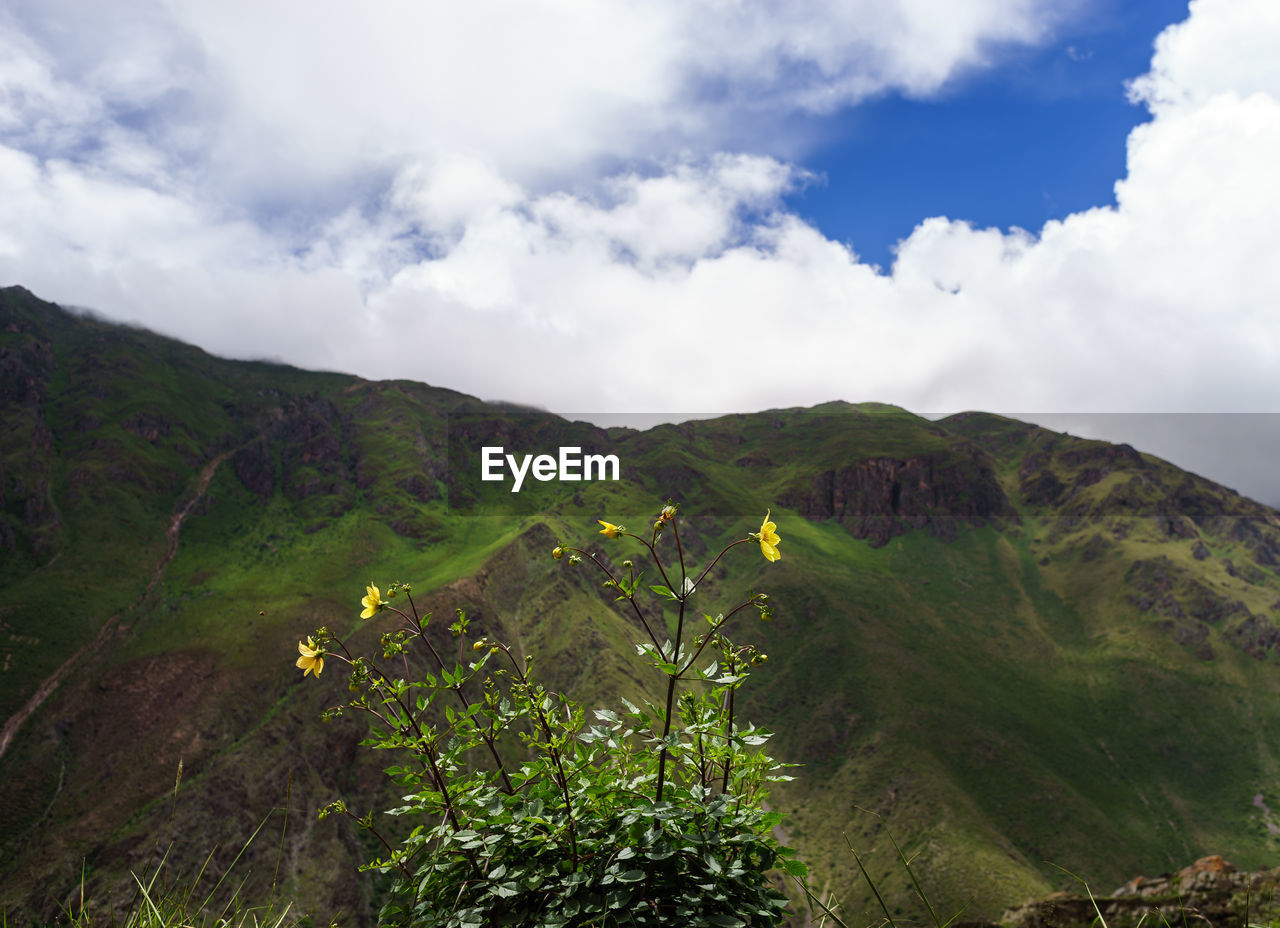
[
  {"x": 535, "y": 89},
  {"x": 35, "y": 106},
  {"x": 531, "y": 202},
  {"x": 444, "y": 197},
  {"x": 820, "y": 55},
  {"x": 1223, "y": 47}
]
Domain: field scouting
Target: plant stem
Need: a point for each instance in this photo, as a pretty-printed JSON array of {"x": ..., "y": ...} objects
[
  {"x": 631, "y": 599},
  {"x": 728, "y": 731},
  {"x": 684, "y": 574},
  {"x": 440, "y": 784},
  {"x": 466, "y": 703},
  {"x": 653, "y": 554},
  {"x": 672, "y": 679},
  {"x": 555, "y": 754},
  {"x": 373, "y": 831},
  {"x": 706, "y": 570},
  {"x": 706, "y": 639}
]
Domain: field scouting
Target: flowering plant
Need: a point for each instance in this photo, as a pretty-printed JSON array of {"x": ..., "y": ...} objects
[{"x": 523, "y": 811}]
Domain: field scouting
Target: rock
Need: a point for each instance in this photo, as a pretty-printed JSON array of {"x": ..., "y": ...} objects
[
  {"x": 1194, "y": 636},
  {"x": 254, "y": 467},
  {"x": 1199, "y": 551},
  {"x": 879, "y": 498},
  {"x": 148, "y": 426},
  {"x": 420, "y": 488},
  {"x": 1208, "y": 892},
  {"x": 1255, "y": 635},
  {"x": 1102, "y": 454},
  {"x": 1175, "y": 526},
  {"x": 1160, "y": 587},
  {"x": 1207, "y": 606},
  {"x": 1094, "y": 548},
  {"x": 1042, "y": 490},
  {"x": 1152, "y": 581}
]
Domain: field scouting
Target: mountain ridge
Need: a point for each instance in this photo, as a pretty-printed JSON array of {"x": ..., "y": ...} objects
[{"x": 1012, "y": 644}]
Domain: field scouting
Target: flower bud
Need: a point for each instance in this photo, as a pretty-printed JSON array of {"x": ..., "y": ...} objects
[
  {"x": 479, "y": 645},
  {"x": 557, "y": 552}
]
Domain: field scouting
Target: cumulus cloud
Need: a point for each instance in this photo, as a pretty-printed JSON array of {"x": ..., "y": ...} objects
[
  {"x": 534, "y": 85},
  {"x": 1222, "y": 48}
]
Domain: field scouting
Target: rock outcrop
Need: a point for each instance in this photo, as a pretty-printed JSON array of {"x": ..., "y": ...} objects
[
  {"x": 1210, "y": 892},
  {"x": 881, "y": 497}
]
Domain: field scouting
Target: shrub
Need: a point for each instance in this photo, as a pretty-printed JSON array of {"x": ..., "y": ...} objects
[{"x": 647, "y": 815}]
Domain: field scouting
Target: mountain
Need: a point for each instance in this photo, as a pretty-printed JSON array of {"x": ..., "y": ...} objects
[{"x": 1013, "y": 648}]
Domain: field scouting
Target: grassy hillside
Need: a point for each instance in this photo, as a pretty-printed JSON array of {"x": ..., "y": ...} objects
[{"x": 1017, "y": 648}]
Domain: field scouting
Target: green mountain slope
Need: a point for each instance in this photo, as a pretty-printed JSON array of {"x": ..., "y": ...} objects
[{"x": 1015, "y": 647}]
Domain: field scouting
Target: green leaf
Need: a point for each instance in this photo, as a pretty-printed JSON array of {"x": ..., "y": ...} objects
[
  {"x": 662, "y": 590},
  {"x": 724, "y": 921},
  {"x": 793, "y": 867}
]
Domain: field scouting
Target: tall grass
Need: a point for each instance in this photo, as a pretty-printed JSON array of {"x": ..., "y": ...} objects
[
  {"x": 829, "y": 908},
  {"x": 162, "y": 899},
  {"x": 185, "y": 903}
]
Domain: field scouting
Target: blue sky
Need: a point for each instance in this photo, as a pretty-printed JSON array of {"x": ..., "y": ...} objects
[
  {"x": 682, "y": 206},
  {"x": 1038, "y": 137}
]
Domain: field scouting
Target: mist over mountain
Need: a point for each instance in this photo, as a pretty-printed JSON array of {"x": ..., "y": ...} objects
[{"x": 1016, "y": 647}]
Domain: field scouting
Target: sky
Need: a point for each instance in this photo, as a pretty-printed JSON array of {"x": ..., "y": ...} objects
[{"x": 1025, "y": 206}]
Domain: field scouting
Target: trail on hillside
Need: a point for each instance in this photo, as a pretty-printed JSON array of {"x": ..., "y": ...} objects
[{"x": 46, "y": 689}]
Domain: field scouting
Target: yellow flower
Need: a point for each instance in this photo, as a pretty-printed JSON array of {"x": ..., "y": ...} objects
[
  {"x": 312, "y": 659},
  {"x": 372, "y": 602},
  {"x": 609, "y": 529},
  {"x": 557, "y": 552},
  {"x": 769, "y": 539}
]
